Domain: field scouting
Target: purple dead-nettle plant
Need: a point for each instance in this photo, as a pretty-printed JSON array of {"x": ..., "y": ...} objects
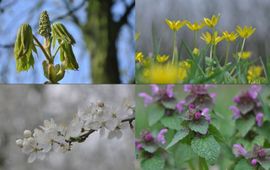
[
  {"x": 257, "y": 157},
  {"x": 95, "y": 117},
  {"x": 248, "y": 106}
]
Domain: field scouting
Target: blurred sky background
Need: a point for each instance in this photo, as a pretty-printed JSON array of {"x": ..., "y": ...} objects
[
  {"x": 15, "y": 12},
  {"x": 27, "y": 106},
  {"x": 233, "y": 12}
]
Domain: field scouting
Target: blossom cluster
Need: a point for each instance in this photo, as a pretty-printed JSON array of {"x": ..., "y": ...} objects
[
  {"x": 248, "y": 104},
  {"x": 258, "y": 156},
  {"x": 94, "y": 117}
]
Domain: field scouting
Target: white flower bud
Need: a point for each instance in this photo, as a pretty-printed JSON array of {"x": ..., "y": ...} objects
[
  {"x": 27, "y": 133},
  {"x": 31, "y": 140},
  {"x": 19, "y": 142}
]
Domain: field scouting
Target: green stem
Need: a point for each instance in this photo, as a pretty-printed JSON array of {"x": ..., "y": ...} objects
[
  {"x": 195, "y": 38},
  {"x": 175, "y": 52},
  {"x": 238, "y": 60},
  {"x": 191, "y": 166},
  {"x": 58, "y": 48},
  {"x": 227, "y": 53},
  {"x": 43, "y": 50}
]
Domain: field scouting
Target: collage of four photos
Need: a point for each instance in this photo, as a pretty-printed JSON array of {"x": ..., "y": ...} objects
[{"x": 134, "y": 85}]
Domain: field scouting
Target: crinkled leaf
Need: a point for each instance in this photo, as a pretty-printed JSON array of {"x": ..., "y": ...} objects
[
  {"x": 216, "y": 133},
  {"x": 177, "y": 137},
  {"x": 151, "y": 148},
  {"x": 244, "y": 125},
  {"x": 258, "y": 140},
  {"x": 155, "y": 113},
  {"x": 243, "y": 165},
  {"x": 200, "y": 126},
  {"x": 171, "y": 104},
  {"x": 264, "y": 130},
  {"x": 172, "y": 122},
  {"x": 265, "y": 164},
  {"x": 245, "y": 107},
  {"x": 67, "y": 57},
  {"x": 206, "y": 147},
  {"x": 184, "y": 153},
  {"x": 154, "y": 163}
]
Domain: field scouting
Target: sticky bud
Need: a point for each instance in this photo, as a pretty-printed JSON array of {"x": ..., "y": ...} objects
[
  {"x": 27, "y": 133},
  {"x": 253, "y": 162}
]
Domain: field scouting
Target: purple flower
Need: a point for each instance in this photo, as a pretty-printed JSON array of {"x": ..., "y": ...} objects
[
  {"x": 197, "y": 115},
  {"x": 236, "y": 99},
  {"x": 169, "y": 90},
  {"x": 161, "y": 137},
  {"x": 138, "y": 145},
  {"x": 254, "y": 90},
  {"x": 238, "y": 150},
  {"x": 155, "y": 89},
  {"x": 147, "y": 98},
  {"x": 259, "y": 119},
  {"x": 253, "y": 162},
  {"x": 213, "y": 96},
  {"x": 261, "y": 153},
  {"x": 148, "y": 137},
  {"x": 205, "y": 113},
  {"x": 180, "y": 106},
  {"x": 236, "y": 112},
  {"x": 187, "y": 88},
  {"x": 191, "y": 106},
  {"x": 197, "y": 89}
]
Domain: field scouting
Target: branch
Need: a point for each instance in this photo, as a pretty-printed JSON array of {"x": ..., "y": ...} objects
[{"x": 84, "y": 136}]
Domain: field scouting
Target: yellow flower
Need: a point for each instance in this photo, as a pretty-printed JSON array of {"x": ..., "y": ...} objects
[
  {"x": 245, "y": 32},
  {"x": 184, "y": 66},
  {"x": 165, "y": 74},
  {"x": 244, "y": 55},
  {"x": 212, "y": 22},
  {"x": 196, "y": 52},
  {"x": 213, "y": 39},
  {"x": 230, "y": 37},
  {"x": 175, "y": 25},
  {"x": 254, "y": 74},
  {"x": 139, "y": 57},
  {"x": 162, "y": 58},
  {"x": 195, "y": 26}
]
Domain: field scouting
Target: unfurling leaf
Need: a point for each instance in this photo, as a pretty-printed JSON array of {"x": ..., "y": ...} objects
[
  {"x": 68, "y": 58},
  {"x": 60, "y": 32},
  {"x": 23, "y": 48}
]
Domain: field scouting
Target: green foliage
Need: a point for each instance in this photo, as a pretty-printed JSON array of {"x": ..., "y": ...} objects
[
  {"x": 24, "y": 46},
  {"x": 206, "y": 147},
  {"x": 200, "y": 126},
  {"x": 244, "y": 125},
  {"x": 171, "y": 122},
  {"x": 155, "y": 113},
  {"x": 243, "y": 164},
  {"x": 178, "y": 136},
  {"x": 154, "y": 163}
]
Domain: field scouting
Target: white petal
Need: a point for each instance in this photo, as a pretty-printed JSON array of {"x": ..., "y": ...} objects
[{"x": 32, "y": 157}]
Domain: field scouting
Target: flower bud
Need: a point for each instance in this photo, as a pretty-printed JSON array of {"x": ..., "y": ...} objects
[
  {"x": 197, "y": 115},
  {"x": 19, "y": 143},
  {"x": 148, "y": 137},
  {"x": 27, "y": 133},
  {"x": 261, "y": 153},
  {"x": 253, "y": 162}
]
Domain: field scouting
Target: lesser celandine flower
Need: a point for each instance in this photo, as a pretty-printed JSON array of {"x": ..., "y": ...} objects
[
  {"x": 244, "y": 55},
  {"x": 175, "y": 25},
  {"x": 254, "y": 74},
  {"x": 212, "y": 22},
  {"x": 162, "y": 58},
  {"x": 196, "y": 52},
  {"x": 139, "y": 57},
  {"x": 211, "y": 39},
  {"x": 195, "y": 26},
  {"x": 245, "y": 32},
  {"x": 230, "y": 37}
]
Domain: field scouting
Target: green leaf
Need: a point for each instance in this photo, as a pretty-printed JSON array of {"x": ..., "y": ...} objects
[
  {"x": 245, "y": 125},
  {"x": 177, "y": 137},
  {"x": 243, "y": 164},
  {"x": 151, "y": 148},
  {"x": 258, "y": 140},
  {"x": 265, "y": 164},
  {"x": 184, "y": 153},
  {"x": 172, "y": 122},
  {"x": 264, "y": 130},
  {"x": 155, "y": 112},
  {"x": 154, "y": 163},
  {"x": 171, "y": 104},
  {"x": 200, "y": 126},
  {"x": 216, "y": 133},
  {"x": 206, "y": 147}
]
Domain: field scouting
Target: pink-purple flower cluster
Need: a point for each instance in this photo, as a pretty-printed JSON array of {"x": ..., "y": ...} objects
[
  {"x": 158, "y": 94},
  {"x": 248, "y": 104},
  {"x": 257, "y": 155}
]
